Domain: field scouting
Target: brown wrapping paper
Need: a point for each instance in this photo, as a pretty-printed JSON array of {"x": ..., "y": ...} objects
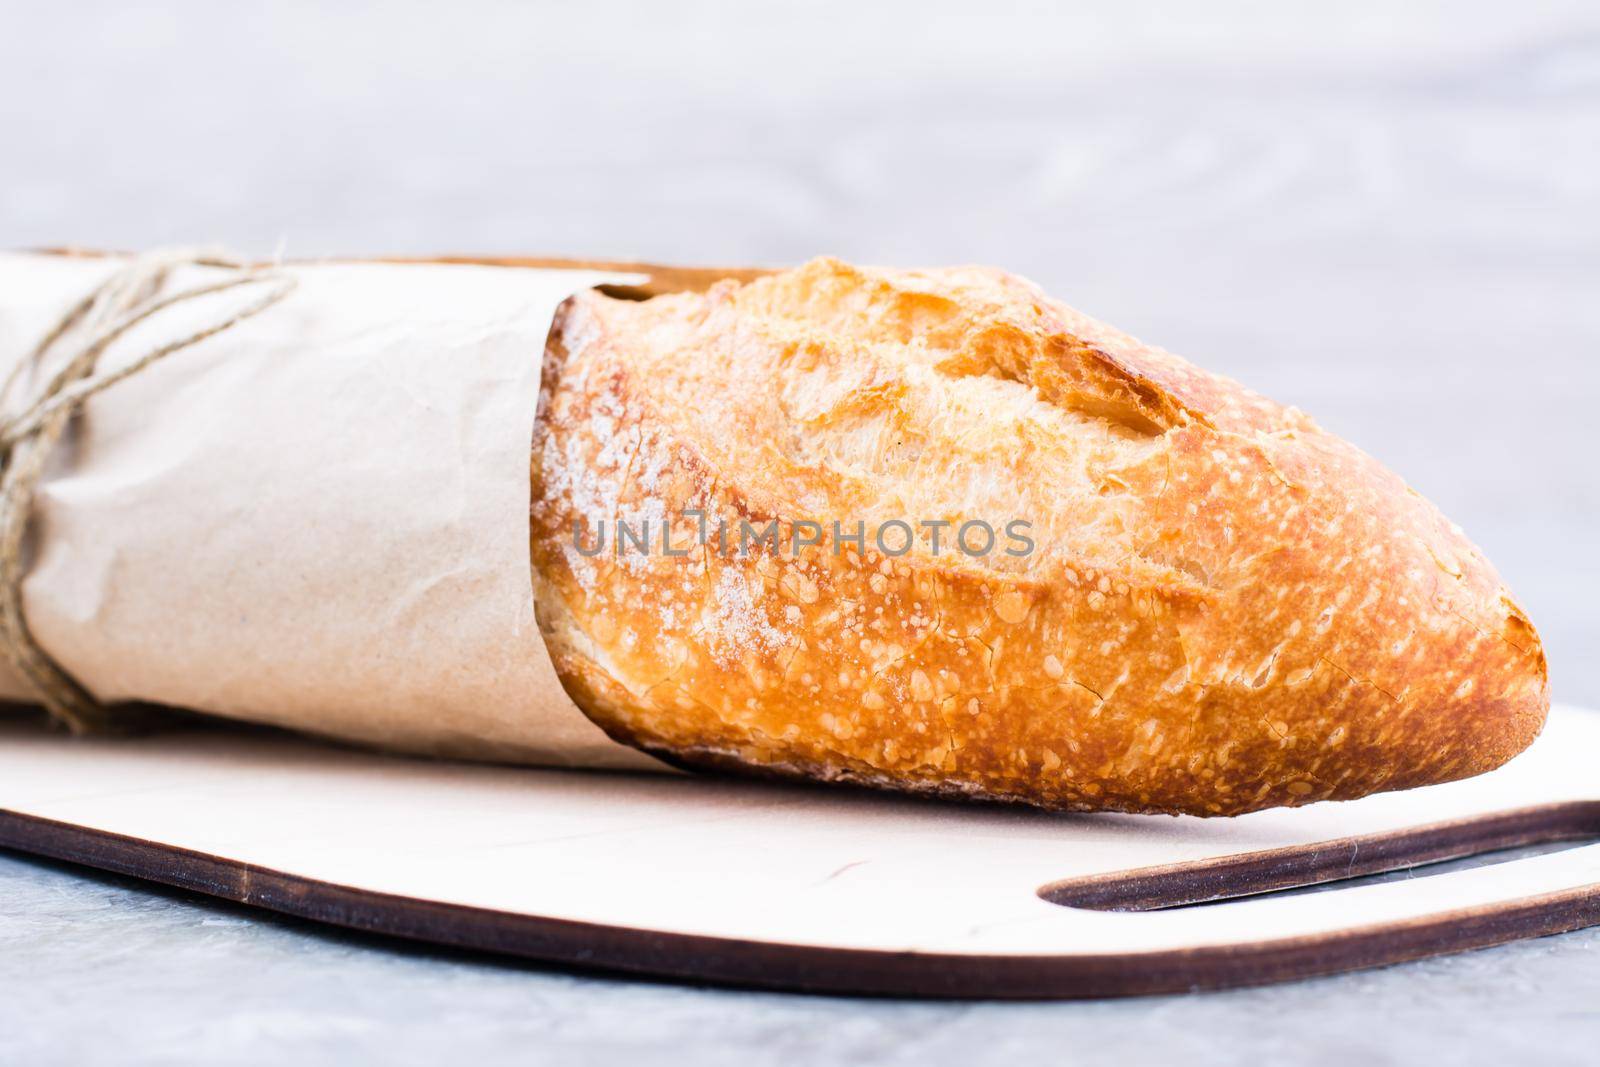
[{"x": 316, "y": 519}]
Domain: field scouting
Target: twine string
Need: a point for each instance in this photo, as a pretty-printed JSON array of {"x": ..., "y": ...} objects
[{"x": 129, "y": 297}]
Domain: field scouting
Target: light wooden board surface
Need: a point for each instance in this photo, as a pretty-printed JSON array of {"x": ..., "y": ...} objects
[{"x": 731, "y": 863}]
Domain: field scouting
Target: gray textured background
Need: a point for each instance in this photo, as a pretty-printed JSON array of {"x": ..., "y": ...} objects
[{"x": 1388, "y": 217}]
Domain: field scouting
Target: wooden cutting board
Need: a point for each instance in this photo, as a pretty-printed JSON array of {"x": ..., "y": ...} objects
[{"x": 815, "y": 889}]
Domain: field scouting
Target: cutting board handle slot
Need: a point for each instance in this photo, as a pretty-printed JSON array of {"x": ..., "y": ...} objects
[{"x": 1255, "y": 873}]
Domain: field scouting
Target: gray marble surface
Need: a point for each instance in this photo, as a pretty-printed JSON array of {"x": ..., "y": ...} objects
[
  {"x": 101, "y": 970},
  {"x": 1386, "y": 214},
  {"x": 97, "y": 969}
]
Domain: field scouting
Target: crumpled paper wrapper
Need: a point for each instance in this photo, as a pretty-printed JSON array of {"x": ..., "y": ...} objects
[{"x": 317, "y": 519}]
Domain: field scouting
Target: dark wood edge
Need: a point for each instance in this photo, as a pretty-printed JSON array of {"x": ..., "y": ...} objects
[
  {"x": 1252, "y": 873},
  {"x": 737, "y": 962},
  {"x": 660, "y": 278}
]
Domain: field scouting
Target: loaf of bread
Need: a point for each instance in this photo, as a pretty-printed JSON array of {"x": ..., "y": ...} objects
[{"x": 934, "y": 531}]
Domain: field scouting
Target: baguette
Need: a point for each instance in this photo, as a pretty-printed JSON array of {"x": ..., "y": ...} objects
[{"x": 1221, "y": 607}]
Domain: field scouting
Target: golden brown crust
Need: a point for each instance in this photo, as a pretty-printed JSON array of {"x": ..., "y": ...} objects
[{"x": 1226, "y": 607}]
